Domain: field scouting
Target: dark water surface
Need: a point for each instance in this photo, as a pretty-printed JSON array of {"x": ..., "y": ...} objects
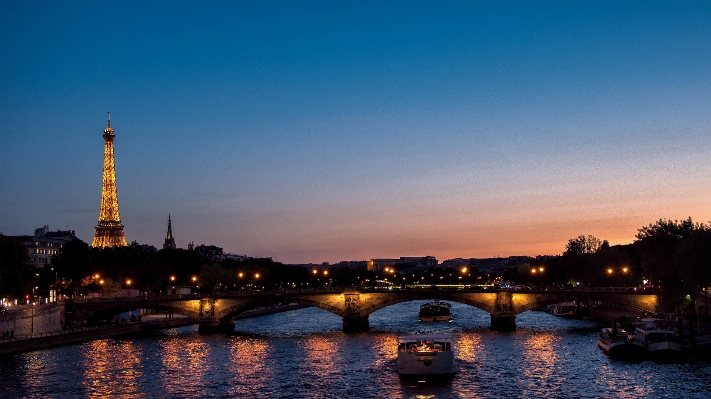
[{"x": 304, "y": 354}]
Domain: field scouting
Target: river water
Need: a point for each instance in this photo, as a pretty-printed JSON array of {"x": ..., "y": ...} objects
[{"x": 304, "y": 354}]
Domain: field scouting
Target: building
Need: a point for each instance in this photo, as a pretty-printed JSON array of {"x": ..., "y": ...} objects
[
  {"x": 169, "y": 240},
  {"x": 456, "y": 263},
  {"x": 404, "y": 263},
  {"x": 109, "y": 231},
  {"x": 237, "y": 257},
  {"x": 45, "y": 243},
  {"x": 211, "y": 252}
]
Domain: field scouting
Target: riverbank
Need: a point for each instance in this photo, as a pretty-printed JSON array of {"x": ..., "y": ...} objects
[
  {"x": 30, "y": 342},
  {"x": 27, "y": 343}
]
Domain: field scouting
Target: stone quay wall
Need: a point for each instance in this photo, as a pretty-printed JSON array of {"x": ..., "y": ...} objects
[{"x": 41, "y": 319}]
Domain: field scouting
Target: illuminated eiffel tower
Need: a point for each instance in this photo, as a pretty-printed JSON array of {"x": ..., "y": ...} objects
[{"x": 109, "y": 231}]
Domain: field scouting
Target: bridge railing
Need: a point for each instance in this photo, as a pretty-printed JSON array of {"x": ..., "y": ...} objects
[
  {"x": 231, "y": 294},
  {"x": 160, "y": 297}
]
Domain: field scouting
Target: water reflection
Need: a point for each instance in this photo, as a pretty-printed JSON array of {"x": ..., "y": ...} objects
[
  {"x": 384, "y": 347},
  {"x": 545, "y": 358},
  {"x": 184, "y": 360},
  {"x": 248, "y": 367},
  {"x": 540, "y": 363},
  {"x": 467, "y": 346},
  {"x": 321, "y": 355},
  {"x": 112, "y": 368}
]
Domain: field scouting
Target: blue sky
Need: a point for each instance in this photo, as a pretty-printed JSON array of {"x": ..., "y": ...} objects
[{"x": 323, "y": 131}]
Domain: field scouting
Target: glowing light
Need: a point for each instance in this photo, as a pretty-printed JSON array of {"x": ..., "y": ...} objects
[
  {"x": 172, "y": 278},
  {"x": 109, "y": 231},
  {"x": 315, "y": 271},
  {"x": 241, "y": 274},
  {"x": 533, "y": 271},
  {"x": 464, "y": 270},
  {"x": 325, "y": 272},
  {"x": 256, "y": 275},
  {"x": 609, "y": 271},
  {"x": 624, "y": 270},
  {"x": 128, "y": 282},
  {"x": 194, "y": 279},
  {"x": 540, "y": 269},
  {"x": 101, "y": 281}
]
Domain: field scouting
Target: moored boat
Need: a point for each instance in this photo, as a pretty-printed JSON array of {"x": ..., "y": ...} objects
[
  {"x": 659, "y": 338},
  {"x": 435, "y": 311},
  {"x": 563, "y": 309},
  {"x": 422, "y": 354},
  {"x": 618, "y": 344}
]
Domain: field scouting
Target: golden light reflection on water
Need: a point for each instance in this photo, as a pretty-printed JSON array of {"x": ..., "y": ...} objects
[
  {"x": 384, "y": 349},
  {"x": 185, "y": 362},
  {"x": 467, "y": 347},
  {"x": 321, "y": 355},
  {"x": 248, "y": 366},
  {"x": 112, "y": 368},
  {"x": 540, "y": 356}
]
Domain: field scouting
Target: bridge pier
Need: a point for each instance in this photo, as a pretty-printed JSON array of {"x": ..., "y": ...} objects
[
  {"x": 503, "y": 318},
  {"x": 505, "y": 322},
  {"x": 355, "y": 324}
]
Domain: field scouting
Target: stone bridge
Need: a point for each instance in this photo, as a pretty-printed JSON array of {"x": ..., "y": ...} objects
[{"x": 354, "y": 307}]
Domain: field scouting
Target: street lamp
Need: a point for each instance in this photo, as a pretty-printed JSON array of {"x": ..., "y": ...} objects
[{"x": 172, "y": 278}]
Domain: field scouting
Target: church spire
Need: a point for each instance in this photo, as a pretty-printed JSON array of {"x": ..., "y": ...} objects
[
  {"x": 170, "y": 230},
  {"x": 169, "y": 240}
]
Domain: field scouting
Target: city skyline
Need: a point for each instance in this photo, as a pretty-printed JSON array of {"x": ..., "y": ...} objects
[{"x": 311, "y": 132}]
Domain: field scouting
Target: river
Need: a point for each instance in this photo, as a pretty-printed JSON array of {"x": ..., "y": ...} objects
[{"x": 304, "y": 354}]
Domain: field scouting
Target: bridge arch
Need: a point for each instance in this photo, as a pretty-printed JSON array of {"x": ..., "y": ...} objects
[{"x": 443, "y": 296}]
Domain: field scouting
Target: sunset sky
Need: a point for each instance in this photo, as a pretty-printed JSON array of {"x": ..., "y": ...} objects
[{"x": 327, "y": 131}]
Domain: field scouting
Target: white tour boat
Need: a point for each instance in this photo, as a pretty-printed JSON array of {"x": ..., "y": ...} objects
[
  {"x": 425, "y": 354},
  {"x": 435, "y": 311}
]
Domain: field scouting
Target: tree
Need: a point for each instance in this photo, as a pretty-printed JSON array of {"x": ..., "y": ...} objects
[
  {"x": 674, "y": 255},
  {"x": 583, "y": 245},
  {"x": 73, "y": 261},
  {"x": 17, "y": 276}
]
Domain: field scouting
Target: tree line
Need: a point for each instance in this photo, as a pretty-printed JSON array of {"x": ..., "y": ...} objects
[{"x": 672, "y": 255}]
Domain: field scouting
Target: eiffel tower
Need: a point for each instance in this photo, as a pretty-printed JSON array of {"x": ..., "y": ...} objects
[{"x": 109, "y": 231}]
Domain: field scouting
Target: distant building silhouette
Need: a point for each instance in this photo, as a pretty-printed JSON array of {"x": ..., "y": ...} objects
[
  {"x": 211, "y": 252},
  {"x": 404, "y": 263},
  {"x": 44, "y": 244},
  {"x": 169, "y": 240}
]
